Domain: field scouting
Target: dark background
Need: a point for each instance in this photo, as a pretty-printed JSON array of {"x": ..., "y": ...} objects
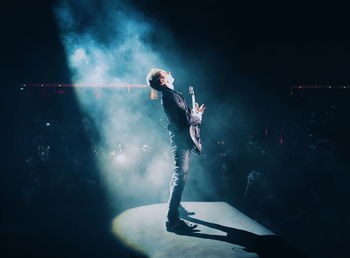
[{"x": 267, "y": 47}]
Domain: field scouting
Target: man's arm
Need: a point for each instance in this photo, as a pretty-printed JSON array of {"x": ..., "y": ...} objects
[
  {"x": 179, "y": 113},
  {"x": 177, "y": 110}
]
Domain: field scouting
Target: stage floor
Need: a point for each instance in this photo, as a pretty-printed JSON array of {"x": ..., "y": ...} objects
[{"x": 223, "y": 231}]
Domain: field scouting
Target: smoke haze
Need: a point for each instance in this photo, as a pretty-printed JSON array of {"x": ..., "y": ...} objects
[{"x": 111, "y": 44}]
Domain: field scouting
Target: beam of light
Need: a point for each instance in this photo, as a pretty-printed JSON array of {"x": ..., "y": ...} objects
[
  {"x": 109, "y": 43},
  {"x": 121, "y": 158},
  {"x": 129, "y": 85},
  {"x": 320, "y": 87}
]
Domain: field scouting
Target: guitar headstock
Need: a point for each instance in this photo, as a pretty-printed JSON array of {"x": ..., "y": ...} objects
[{"x": 190, "y": 89}]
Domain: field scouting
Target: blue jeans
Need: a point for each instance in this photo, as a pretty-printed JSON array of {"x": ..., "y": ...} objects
[{"x": 181, "y": 148}]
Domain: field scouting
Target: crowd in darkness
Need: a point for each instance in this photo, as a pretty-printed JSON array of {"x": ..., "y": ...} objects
[
  {"x": 46, "y": 150},
  {"x": 298, "y": 149},
  {"x": 289, "y": 175}
]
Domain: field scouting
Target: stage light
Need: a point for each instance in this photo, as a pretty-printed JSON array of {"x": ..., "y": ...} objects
[
  {"x": 121, "y": 158},
  {"x": 48, "y": 124},
  {"x": 145, "y": 148}
]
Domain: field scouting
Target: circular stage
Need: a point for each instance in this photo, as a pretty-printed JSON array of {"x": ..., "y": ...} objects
[{"x": 223, "y": 231}]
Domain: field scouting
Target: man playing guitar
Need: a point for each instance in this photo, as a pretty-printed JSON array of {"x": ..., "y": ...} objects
[{"x": 184, "y": 135}]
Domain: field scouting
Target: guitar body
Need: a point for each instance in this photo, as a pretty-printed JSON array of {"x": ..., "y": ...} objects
[{"x": 195, "y": 136}]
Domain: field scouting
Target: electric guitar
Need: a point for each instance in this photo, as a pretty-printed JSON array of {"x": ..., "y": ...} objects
[{"x": 194, "y": 129}]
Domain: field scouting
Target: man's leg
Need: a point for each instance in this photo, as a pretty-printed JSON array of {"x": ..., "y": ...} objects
[
  {"x": 177, "y": 183},
  {"x": 181, "y": 149}
]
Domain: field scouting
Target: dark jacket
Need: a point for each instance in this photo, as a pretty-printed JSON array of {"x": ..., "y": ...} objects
[{"x": 177, "y": 111}]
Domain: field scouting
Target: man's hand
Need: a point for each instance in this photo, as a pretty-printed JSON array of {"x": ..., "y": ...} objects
[
  {"x": 200, "y": 109},
  {"x": 197, "y": 114}
]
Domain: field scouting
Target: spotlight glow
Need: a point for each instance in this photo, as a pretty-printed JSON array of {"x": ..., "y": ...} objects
[
  {"x": 121, "y": 158},
  {"x": 115, "y": 48}
]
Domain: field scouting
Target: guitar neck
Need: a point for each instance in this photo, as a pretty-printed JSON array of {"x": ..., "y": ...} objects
[{"x": 193, "y": 100}]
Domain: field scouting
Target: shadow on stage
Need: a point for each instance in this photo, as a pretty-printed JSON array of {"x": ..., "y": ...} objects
[{"x": 265, "y": 246}]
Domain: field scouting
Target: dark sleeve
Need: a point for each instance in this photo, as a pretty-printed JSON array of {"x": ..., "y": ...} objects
[{"x": 176, "y": 110}]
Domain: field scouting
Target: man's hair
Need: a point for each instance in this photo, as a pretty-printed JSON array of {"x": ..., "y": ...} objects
[{"x": 153, "y": 79}]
